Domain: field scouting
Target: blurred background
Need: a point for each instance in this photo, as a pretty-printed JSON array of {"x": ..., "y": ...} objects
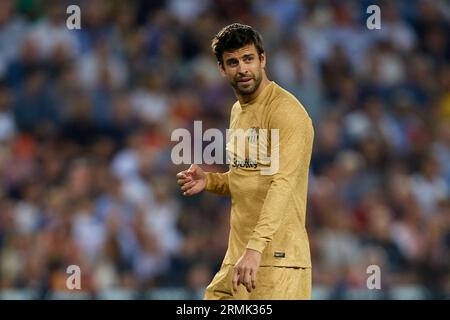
[{"x": 85, "y": 122}]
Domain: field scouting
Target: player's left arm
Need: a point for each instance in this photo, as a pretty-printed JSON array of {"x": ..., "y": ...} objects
[{"x": 295, "y": 145}]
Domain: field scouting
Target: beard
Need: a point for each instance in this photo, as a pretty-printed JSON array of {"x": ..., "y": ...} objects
[{"x": 249, "y": 88}]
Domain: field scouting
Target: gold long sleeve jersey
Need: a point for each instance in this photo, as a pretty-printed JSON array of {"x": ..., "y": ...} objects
[{"x": 268, "y": 211}]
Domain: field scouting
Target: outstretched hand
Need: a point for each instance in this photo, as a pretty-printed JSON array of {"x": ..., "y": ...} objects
[{"x": 192, "y": 181}]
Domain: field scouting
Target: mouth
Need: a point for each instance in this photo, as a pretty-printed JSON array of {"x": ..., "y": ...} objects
[{"x": 245, "y": 80}]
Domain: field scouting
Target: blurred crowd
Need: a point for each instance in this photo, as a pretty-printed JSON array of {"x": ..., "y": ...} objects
[{"x": 85, "y": 153}]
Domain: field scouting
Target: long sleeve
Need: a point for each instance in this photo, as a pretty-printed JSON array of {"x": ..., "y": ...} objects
[
  {"x": 218, "y": 183},
  {"x": 295, "y": 144}
]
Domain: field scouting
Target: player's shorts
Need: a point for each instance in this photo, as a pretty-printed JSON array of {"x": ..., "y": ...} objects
[{"x": 272, "y": 283}]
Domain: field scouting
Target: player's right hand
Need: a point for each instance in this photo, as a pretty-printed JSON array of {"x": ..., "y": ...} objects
[{"x": 192, "y": 181}]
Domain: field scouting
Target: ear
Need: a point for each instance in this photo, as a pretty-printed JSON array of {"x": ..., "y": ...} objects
[
  {"x": 262, "y": 58},
  {"x": 221, "y": 69}
]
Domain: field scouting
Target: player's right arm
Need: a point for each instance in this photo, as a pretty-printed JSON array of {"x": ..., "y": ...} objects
[{"x": 195, "y": 180}]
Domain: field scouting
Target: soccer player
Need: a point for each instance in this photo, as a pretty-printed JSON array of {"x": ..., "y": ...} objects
[{"x": 268, "y": 254}]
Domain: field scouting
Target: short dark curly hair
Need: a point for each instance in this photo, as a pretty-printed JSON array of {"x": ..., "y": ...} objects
[{"x": 233, "y": 37}]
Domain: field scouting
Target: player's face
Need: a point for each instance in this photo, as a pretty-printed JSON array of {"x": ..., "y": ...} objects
[{"x": 244, "y": 69}]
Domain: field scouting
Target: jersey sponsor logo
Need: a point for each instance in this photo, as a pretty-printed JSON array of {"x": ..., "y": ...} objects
[
  {"x": 253, "y": 148},
  {"x": 247, "y": 163}
]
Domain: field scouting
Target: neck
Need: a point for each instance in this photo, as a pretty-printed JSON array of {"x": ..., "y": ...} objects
[{"x": 249, "y": 97}]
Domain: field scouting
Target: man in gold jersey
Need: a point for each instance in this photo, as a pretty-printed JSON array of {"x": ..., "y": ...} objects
[{"x": 268, "y": 254}]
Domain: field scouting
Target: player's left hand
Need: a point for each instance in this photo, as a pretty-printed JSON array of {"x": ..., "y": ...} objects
[{"x": 244, "y": 271}]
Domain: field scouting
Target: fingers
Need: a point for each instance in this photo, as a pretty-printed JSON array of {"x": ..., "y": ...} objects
[
  {"x": 192, "y": 189},
  {"x": 187, "y": 180},
  {"x": 235, "y": 280},
  {"x": 253, "y": 277},
  {"x": 182, "y": 182},
  {"x": 247, "y": 280},
  {"x": 241, "y": 277},
  {"x": 247, "y": 277},
  {"x": 185, "y": 173},
  {"x": 187, "y": 186},
  {"x": 193, "y": 168},
  {"x": 181, "y": 175},
  {"x": 193, "y": 171}
]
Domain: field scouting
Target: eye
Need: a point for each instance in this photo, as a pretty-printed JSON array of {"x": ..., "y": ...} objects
[
  {"x": 248, "y": 59},
  {"x": 232, "y": 63}
]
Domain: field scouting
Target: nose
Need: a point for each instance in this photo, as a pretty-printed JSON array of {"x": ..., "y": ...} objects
[{"x": 242, "y": 68}]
